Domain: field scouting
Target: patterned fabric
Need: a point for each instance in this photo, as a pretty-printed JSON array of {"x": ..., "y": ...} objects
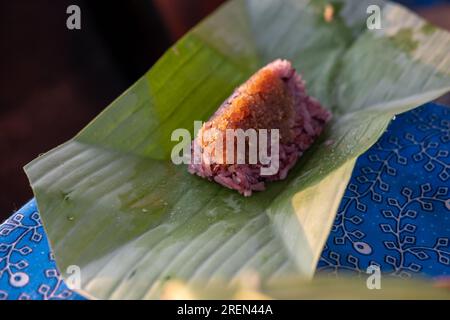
[
  {"x": 394, "y": 214},
  {"x": 27, "y": 267},
  {"x": 395, "y": 211}
]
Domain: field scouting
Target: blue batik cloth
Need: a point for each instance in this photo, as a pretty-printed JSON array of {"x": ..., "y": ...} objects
[
  {"x": 394, "y": 214},
  {"x": 27, "y": 266},
  {"x": 421, "y": 3}
]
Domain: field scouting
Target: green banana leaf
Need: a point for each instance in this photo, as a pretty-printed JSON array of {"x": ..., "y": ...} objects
[{"x": 114, "y": 204}]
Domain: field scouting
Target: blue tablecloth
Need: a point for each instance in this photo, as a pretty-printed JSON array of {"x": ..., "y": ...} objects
[
  {"x": 396, "y": 210},
  {"x": 395, "y": 214},
  {"x": 421, "y": 3}
]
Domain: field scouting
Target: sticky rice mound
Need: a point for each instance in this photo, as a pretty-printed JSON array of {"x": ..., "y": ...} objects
[{"x": 273, "y": 98}]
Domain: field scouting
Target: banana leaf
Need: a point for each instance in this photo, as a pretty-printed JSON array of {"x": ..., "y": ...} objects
[{"x": 114, "y": 204}]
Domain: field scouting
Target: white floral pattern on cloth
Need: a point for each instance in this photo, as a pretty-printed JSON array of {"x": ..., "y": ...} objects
[
  {"x": 395, "y": 214},
  {"x": 396, "y": 210},
  {"x": 27, "y": 267}
]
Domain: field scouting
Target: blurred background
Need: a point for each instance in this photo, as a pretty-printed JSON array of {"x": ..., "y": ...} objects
[{"x": 53, "y": 81}]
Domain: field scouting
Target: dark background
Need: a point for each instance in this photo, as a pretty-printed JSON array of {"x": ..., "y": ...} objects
[{"x": 53, "y": 81}]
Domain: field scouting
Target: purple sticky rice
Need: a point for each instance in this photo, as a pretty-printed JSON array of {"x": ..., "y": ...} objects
[{"x": 273, "y": 98}]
